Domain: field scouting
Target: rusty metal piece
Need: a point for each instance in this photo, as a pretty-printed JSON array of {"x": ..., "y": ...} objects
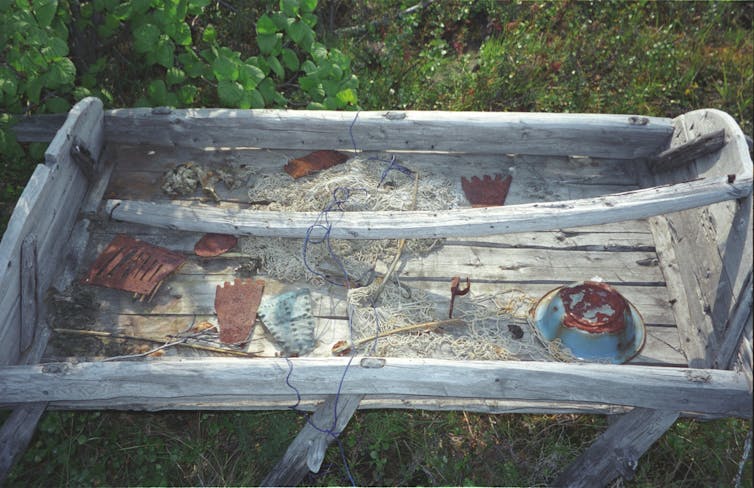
[
  {"x": 131, "y": 265},
  {"x": 236, "y": 305},
  {"x": 313, "y": 162},
  {"x": 211, "y": 245},
  {"x": 455, "y": 291},
  {"x": 593, "y": 307},
  {"x": 487, "y": 192}
]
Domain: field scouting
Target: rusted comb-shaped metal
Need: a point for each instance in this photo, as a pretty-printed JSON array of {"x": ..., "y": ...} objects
[
  {"x": 236, "y": 305},
  {"x": 486, "y": 192},
  {"x": 129, "y": 264}
]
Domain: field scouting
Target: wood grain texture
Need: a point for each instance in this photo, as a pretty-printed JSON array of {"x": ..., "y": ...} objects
[
  {"x": 619, "y": 136},
  {"x": 632, "y": 205},
  {"x": 713, "y": 245},
  {"x": 687, "y": 152},
  {"x": 702, "y": 391},
  {"x": 307, "y": 451},
  {"x": 617, "y": 451},
  {"x": 48, "y": 207}
]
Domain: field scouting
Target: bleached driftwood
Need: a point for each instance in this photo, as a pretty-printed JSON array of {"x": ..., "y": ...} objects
[
  {"x": 703, "y": 391},
  {"x": 432, "y": 224}
]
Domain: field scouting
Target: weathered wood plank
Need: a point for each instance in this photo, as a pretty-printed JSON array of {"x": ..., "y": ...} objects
[
  {"x": 713, "y": 245},
  {"x": 16, "y": 433},
  {"x": 617, "y": 451},
  {"x": 521, "y": 133},
  {"x": 427, "y": 224},
  {"x": 18, "y": 429},
  {"x": 740, "y": 316},
  {"x": 703, "y": 391},
  {"x": 47, "y": 207},
  {"x": 687, "y": 152},
  {"x": 307, "y": 451},
  {"x": 618, "y": 136},
  {"x": 29, "y": 297}
]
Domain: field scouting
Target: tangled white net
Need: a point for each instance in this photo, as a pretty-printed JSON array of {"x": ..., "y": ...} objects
[
  {"x": 359, "y": 180},
  {"x": 495, "y": 326}
]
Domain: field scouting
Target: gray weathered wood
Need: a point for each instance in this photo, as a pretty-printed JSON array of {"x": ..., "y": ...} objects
[
  {"x": 713, "y": 245},
  {"x": 702, "y": 391},
  {"x": 739, "y": 318},
  {"x": 618, "y": 136},
  {"x": 47, "y": 207},
  {"x": 16, "y": 433},
  {"x": 427, "y": 224},
  {"x": 686, "y": 153},
  {"x": 18, "y": 429},
  {"x": 29, "y": 297},
  {"x": 617, "y": 451},
  {"x": 307, "y": 451}
]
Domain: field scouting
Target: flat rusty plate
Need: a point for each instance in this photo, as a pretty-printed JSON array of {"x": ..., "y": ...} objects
[
  {"x": 132, "y": 265},
  {"x": 236, "y": 305},
  {"x": 488, "y": 191},
  {"x": 211, "y": 245},
  {"x": 313, "y": 162}
]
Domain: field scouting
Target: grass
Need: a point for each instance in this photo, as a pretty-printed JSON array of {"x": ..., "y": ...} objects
[{"x": 647, "y": 58}]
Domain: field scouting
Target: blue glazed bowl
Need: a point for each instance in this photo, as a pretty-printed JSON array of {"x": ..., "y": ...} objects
[{"x": 591, "y": 319}]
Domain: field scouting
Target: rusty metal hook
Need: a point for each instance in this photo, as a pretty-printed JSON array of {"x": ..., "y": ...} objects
[{"x": 455, "y": 291}]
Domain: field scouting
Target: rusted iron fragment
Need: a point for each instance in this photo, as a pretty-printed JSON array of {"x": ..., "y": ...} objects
[
  {"x": 132, "y": 265},
  {"x": 211, "y": 245},
  {"x": 313, "y": 162},
  {"x": 593, "y": 307},
  {"x": 455, "y": 290},
  {"x": 488, "y": 191},
  {"x": 236, "y": 305}
]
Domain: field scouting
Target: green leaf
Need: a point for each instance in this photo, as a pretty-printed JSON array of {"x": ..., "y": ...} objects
[
  {"x": 281, "y": 20},
  {"x": 8, "y": 82},
  {"x": 290, "y": 59},
  {"x": 308, "y": 67},
  {"x": 182, "y": 34},
  {"x": 34, "y": 88},
  {"x": 255, "y": 99},
  {"x": 186, "y": 94},
  {"x": 81, "y": 92},
  {"x": 109, "y": 27},
  {"x": 332, "y": 103},
  {"x": 210, "y": 34},
  {"x": 298, "y": 31},
  {"x": 225, "y": 69},
  {"x": 163, "y": 52},
  {"x": 56, "y": 48},
  {"x": 191, "y": 63},
  {"x": 315, "y": 106},
  {"x": 62, "y": 72},
  {"x": 229, "y": 92},
  {"x": 195, "y": 7},
  {"x": 157, "y": 92},
  {"x": 265, "y": 25},
  {"x": 269, "y": 43},
  {"x": 318, "y": 52},
  {"x": 308, "y": 5},
  {"x": 140, "y": 7},
  {"x": 250, "y": 76},
  {"x": 289, "y": 7},
  {"x": 44, "y": 11},
  {"x": 57, "y": 105},
  {"x": 267, "y": 89},
  {"x": 174, "y": 76},
  {"x": 145, "y": 37},
  {"x": 276, "y": 67},
  {"x": 309, "y": 19},
  {"x": 347, "y": 96}
]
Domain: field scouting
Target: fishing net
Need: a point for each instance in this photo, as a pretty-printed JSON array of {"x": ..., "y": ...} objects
[{"x": 362, "y": 185}]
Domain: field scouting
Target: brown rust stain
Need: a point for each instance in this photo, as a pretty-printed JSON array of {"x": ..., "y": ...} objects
[{"x": 593, "y": 307}]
